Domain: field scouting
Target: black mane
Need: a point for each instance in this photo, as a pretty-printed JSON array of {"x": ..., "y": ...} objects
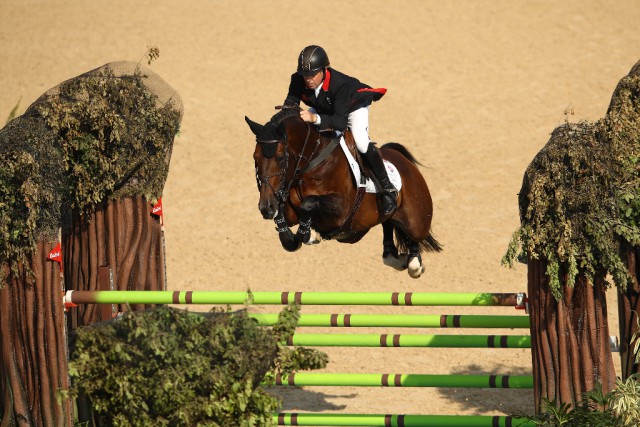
[{"x": 286, "y": 111}]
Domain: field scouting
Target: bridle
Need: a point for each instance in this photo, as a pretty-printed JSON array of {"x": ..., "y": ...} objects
[
  {"x": 282, "y": 193},
  {"x": 313, "y": 161}
]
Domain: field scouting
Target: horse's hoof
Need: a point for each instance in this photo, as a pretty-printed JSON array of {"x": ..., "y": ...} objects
[
  {"x": 398, "y": 262},
  {"x": 292, "y": 247},
  {"x": 314, "y": 239},
  {"x": 415, "y": 267},
  {"x": 289, "y": 242}
]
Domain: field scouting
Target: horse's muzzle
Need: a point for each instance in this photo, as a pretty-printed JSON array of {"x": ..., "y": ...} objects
[{"x": 268, "y": 210}]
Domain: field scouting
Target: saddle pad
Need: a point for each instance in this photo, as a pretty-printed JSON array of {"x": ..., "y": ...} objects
[{"x": 367, "y": 183}]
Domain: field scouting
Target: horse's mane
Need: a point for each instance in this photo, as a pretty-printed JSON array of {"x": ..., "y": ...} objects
[{"x": 286, "y": 111}]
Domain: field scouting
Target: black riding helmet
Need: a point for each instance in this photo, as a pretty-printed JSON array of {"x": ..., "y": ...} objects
[{"x": 312, "y": 59}]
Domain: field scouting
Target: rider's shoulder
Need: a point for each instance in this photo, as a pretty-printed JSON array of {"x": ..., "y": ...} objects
[{"x": 341, "y": 78}]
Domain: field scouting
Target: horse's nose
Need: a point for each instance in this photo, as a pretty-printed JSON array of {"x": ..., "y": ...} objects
[{"x": 267, "y": 210}]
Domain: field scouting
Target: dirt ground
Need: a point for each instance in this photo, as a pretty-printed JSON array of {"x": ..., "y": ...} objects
[{"x": 474, "y": 90}]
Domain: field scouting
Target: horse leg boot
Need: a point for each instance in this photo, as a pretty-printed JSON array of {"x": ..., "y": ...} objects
[
  {"x": 390, "y": 255},
  {"x": 388, "y": 192}
]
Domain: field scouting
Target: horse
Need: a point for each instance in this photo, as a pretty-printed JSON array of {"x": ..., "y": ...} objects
[{"x": 303, "y": 179}]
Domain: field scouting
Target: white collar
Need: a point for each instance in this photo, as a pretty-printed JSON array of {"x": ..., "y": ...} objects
[{"x": 317, "y": 90}]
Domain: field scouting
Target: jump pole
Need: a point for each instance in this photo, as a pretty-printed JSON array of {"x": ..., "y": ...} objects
[
  {"x": 517, "y": 300},
  {"x": 388, "y": 420},
  {"x": 401, "y": 320},
  {"x": 408, "y": 340},
  {"x": 304, "y": 379}
]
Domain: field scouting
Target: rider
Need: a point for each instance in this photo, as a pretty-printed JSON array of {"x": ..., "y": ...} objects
[{"x": 338, "y": 101}]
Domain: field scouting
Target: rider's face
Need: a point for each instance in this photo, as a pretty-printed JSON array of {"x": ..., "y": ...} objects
[{"x": 314, "y": 80}]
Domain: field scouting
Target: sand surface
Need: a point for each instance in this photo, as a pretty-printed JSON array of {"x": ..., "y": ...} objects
[{"x": 474, "y": 90}]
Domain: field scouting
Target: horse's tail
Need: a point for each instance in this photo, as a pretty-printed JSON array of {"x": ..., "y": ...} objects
[
  {"x": 402, "y": 150},
  {"x": 429, "y": 244}
]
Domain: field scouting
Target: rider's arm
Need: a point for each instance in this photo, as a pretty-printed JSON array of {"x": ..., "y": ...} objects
[{"x": 296, "y": 86}]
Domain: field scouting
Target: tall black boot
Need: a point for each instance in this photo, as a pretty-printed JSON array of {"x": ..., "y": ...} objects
[{"x": 388, "y": 192}]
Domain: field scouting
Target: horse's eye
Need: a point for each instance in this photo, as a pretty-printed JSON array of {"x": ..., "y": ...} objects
[{"x": 279, "y": 159}]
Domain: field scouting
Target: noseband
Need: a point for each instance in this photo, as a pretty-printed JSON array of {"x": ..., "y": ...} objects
[
  {"x": 282, "y": 193},
  {"x": 265, "y": 179}
]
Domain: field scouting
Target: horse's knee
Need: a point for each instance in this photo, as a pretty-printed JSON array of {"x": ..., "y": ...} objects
[{"x": 310, "y": 204}]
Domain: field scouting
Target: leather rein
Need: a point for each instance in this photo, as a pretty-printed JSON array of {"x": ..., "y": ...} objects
[{"x": 282, "y": 194}]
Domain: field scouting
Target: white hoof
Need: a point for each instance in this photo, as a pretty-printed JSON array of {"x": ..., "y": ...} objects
[
  {"x": 397, "y": 262},
  {"x": 415, "y": 268},
  {"x": 314, "y": 239}
]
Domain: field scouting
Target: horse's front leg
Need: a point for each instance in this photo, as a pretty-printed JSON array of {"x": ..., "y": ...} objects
[
  {"x": 304, "y": 229},
  {"x": 287, "y": 238},
  {"x": 305, "y": 234}
]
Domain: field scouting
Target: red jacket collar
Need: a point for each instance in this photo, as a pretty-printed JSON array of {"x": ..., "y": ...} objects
[{"x": 327, "y": 80}]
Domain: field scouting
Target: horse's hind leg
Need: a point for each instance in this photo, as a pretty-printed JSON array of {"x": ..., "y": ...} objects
[
  {"x": 413, "y": 259},
  {"x": 390, "y": 254},
  {"x": 414, "y": 264}
]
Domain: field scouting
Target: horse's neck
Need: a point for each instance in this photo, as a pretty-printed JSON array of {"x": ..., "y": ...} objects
[{"x": 335, "y": 166}]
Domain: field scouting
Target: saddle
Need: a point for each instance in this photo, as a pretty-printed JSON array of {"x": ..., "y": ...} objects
[{"x": 360, "y": 171}]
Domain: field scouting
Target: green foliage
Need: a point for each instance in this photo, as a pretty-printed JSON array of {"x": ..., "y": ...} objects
[
  {"x": 32, "y": 188},
  {"x": 115, "y": 140},
  {"x": 636, "y": 339},
  {"x": 170, "y": 367},
  {"x": 567, "y": 209},
  {"x": 625, "y": 402},
  {"x": 621, "y": 408},
  {"x": 94, "y": 137},
  {"x": 580, "y": 196}
]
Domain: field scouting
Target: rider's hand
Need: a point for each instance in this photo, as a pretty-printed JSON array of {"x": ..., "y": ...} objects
[{"x": 308, "y": 116}]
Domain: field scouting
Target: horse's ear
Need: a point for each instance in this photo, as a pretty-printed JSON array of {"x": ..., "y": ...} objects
[{"x": 256, "y": 128}]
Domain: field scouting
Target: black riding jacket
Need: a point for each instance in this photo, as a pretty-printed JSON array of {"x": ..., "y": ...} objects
[{"x": 340, "y": 95}]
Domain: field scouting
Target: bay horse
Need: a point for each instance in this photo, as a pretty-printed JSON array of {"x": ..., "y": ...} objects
[{"x": 303, "y": 179}]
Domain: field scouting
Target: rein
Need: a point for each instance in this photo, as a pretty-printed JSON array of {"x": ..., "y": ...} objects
[{"x": 282, "y": 194}]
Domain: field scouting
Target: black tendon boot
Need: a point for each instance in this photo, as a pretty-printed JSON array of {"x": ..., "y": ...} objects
[{"x": 388, "y": 192}]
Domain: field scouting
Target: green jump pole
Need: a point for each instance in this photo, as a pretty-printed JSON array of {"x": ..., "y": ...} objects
[
  {"x": 401, "y": 320},
  {"x": 407, "y": 340},
  {"x": 388, "y": 420},
  {"x": 304, "y": 298},
  {"x": 405, "y": 380}
]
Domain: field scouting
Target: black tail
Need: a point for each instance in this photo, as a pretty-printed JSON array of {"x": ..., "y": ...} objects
[
  {"x": 429, "y": 244},
  {"x": 402, "y": 150}
]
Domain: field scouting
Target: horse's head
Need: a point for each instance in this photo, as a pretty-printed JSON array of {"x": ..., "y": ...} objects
[{"x": 271, "y": 157}]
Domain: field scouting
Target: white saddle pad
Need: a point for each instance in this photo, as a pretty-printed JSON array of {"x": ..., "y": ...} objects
[{"x": 367, "y": 183}]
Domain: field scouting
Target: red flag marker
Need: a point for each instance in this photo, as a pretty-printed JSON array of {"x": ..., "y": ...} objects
[
  {"x": 56, "y": 255},
  {"x": 157, "y": 210}
]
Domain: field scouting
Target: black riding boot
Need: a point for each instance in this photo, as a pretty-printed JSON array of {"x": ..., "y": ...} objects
[{"x": 388, "y": 192}]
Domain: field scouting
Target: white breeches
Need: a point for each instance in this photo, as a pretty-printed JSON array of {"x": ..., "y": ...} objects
[
  {"x": 358, "y": 122},
  {"x": 359, "y": 125}
]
